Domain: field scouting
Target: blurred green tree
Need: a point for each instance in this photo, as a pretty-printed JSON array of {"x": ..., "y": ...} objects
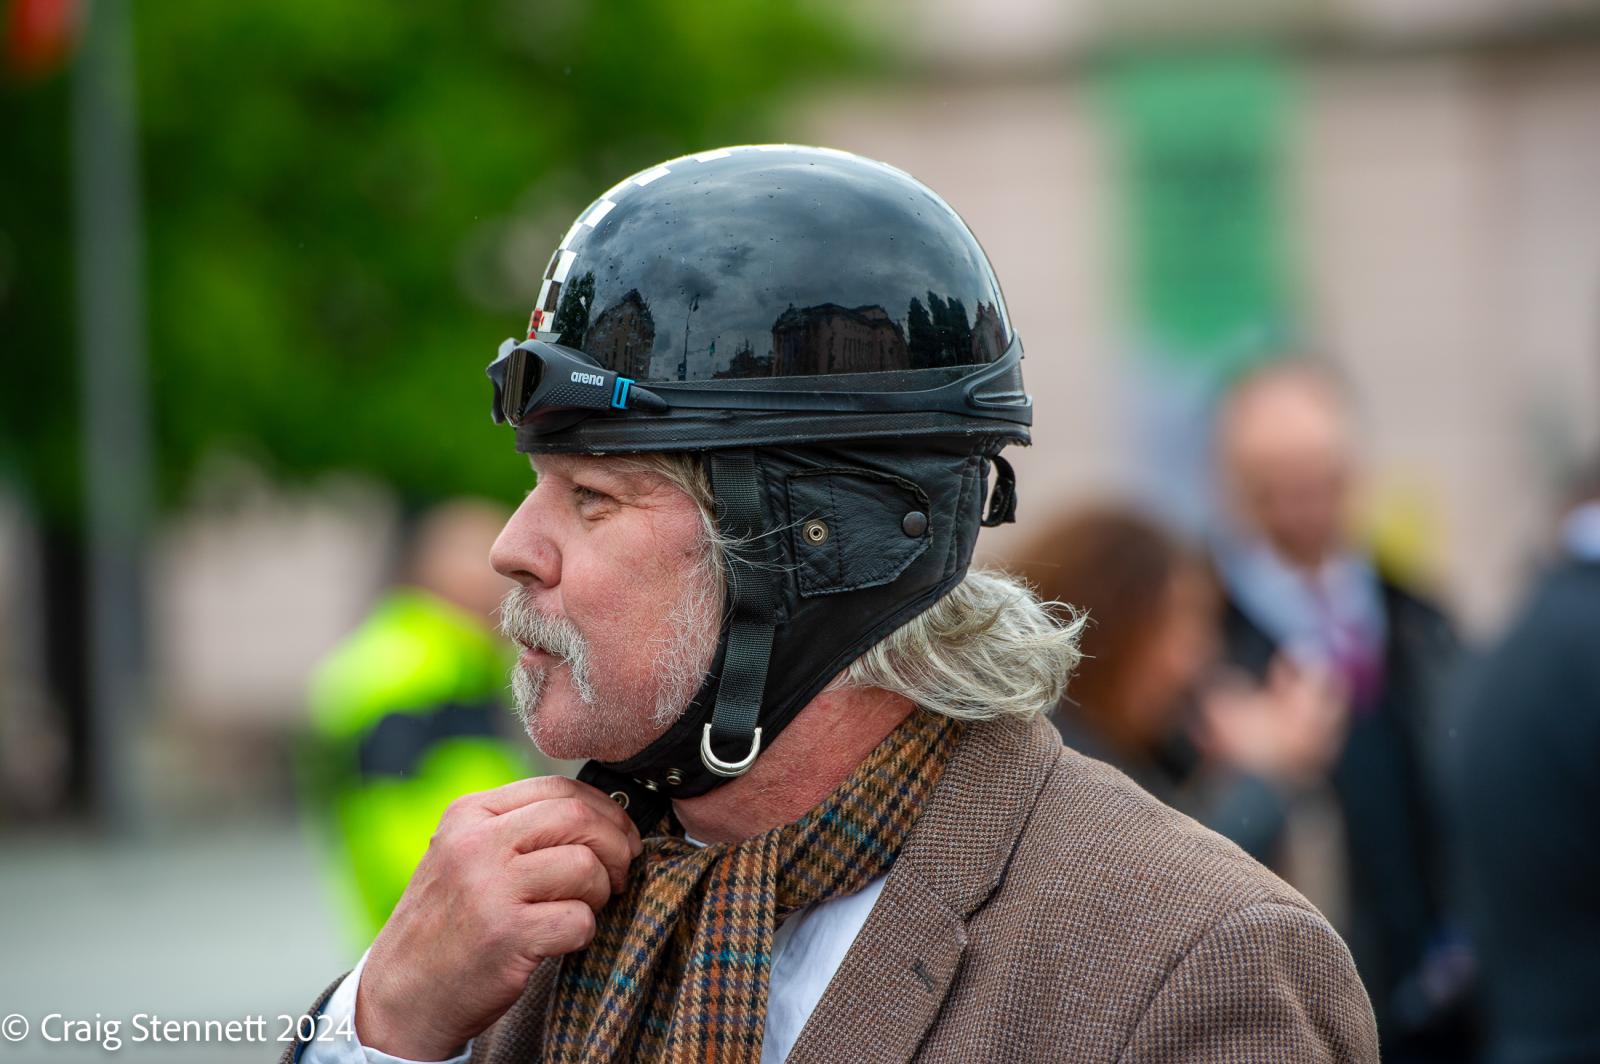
[{"x": 347, "y": 205}]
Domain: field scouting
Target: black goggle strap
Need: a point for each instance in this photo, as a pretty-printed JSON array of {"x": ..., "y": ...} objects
[
  {"x": 534, "y": 376},
  {"x": 987, "y": 391},
  {"x": 753, "y": 603}
]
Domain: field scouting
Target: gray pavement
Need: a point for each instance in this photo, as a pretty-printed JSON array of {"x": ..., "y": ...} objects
[{"x": 215, "y": 923}]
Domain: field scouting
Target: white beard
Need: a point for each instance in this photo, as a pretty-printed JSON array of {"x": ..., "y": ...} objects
[{"x": 679, "y": 667}]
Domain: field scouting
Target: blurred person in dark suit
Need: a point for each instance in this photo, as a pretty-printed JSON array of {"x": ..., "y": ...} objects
[
  {"x": 1299, "y": 588},
  {"x": 1149, "y": 696},
  {"x": 1527, "y": 788}
]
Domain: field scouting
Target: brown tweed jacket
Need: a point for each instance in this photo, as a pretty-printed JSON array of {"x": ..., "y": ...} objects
[{"x": 1047, "y": 909}]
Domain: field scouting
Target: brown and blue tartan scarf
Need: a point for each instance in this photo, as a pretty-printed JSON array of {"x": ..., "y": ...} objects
[{"x": 679, "y": 964}]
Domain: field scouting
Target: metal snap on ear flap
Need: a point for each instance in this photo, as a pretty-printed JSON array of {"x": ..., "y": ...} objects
[
  {"x": 816, "y": 533},
  {"x": 914, "y": 523},
  {"x": 620, "y": 797},
  {"x": 674, "y": 777}
]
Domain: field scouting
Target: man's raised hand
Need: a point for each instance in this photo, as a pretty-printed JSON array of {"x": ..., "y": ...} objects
[{"x": 512, "y": 876}]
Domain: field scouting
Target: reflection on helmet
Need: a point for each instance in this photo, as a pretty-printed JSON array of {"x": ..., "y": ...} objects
[
  {"x": 774, "y": 261},
  {"x": 622, "y": 335}
]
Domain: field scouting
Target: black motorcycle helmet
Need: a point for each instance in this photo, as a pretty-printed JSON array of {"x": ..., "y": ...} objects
[{"x": 827, "y": 332}]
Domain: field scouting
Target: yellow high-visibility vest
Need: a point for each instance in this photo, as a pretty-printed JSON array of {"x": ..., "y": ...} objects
[{"x": 408, "y": 713}]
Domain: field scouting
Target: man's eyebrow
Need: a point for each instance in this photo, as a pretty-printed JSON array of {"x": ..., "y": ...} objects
[
  {"x": 629, "y": 482},
  {"x": 625, "y": 482}
]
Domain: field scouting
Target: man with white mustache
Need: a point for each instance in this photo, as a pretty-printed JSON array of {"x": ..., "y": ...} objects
[{"x": 823, "y": 816}]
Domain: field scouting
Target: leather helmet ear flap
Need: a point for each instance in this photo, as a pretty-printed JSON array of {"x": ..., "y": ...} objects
[
  {"x": 854, "y": 528},
  {"x": 860, "y": 539}
]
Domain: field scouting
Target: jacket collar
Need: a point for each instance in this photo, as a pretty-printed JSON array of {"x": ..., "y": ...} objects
[{"x": 891, "y": 984}]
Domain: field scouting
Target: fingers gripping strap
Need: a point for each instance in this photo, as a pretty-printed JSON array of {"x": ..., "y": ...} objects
[{"x": 753, "y": 612}]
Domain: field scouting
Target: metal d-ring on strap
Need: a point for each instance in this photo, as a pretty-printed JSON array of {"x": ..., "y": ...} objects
[
  {"x": 753, "y": 611},
  {"x": 729, "y": 769}
]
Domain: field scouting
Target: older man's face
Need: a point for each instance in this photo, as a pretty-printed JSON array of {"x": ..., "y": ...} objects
[{"x": 616, "y": 609}]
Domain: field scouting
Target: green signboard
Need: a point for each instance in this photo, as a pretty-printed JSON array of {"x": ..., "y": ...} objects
[{"x": 1201, "y": 146}]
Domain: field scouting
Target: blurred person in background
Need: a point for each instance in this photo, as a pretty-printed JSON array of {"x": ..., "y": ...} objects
[
  {"x": 1149, "y": 696},
  {"x": 1298, "y": 588},
  {"x": 1526, "y": 789},
  {"x": 408, "y": 712}
]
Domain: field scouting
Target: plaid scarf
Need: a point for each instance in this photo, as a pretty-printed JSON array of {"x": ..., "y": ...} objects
[{"x": 678, "y": 968}]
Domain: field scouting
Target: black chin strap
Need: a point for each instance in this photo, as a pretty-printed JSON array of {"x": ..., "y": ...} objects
[
  {"x": 731, "y": 740},
  {"x": 754, "y": 598}
]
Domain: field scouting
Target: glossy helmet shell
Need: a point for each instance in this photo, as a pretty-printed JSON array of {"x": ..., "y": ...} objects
[{"x": 782, "y": 269}]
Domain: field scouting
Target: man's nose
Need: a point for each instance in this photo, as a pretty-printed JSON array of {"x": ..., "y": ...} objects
[{"x": 524, "y": 551}]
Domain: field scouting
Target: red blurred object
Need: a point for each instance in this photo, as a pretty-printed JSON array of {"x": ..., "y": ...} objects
[{"x": 40, "y": 35}]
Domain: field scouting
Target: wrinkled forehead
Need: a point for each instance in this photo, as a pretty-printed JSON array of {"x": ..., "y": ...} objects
[
  {"x": 563, "y": 465},
  {"x": 570, "y": 465}
]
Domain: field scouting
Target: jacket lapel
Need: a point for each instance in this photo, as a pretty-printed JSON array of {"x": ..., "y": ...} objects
[{"x": 888, "y": 991}]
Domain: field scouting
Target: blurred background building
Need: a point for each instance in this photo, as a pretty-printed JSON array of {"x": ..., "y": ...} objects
[{"x": 253, "y": 258}]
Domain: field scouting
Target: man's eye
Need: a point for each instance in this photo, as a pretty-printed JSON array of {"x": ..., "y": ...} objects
[{"x": 586, "y": 496}]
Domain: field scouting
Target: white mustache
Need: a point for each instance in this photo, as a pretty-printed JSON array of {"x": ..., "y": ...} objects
[{"x": 522, "y": 622}]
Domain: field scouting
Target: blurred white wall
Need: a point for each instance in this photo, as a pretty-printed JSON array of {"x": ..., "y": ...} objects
[
  {"x": 252, "y": 588},
  {"x": 249, "y": 589},
  {"x": 1454, "y": 256}
]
